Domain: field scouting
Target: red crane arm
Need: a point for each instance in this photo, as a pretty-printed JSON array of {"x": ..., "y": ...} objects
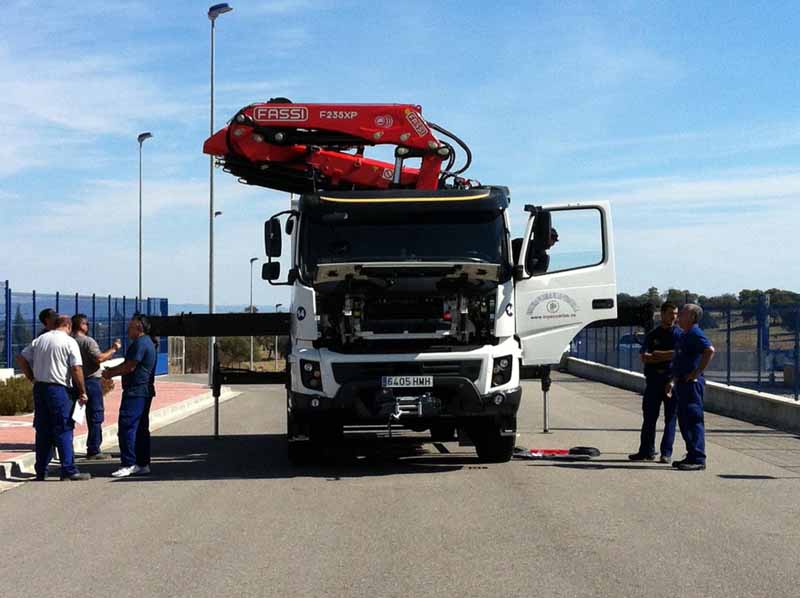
[{"x": 300, "y": 147}]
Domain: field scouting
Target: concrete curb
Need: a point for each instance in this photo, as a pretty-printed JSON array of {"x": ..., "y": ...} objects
[
  {"x": 744, "y": 404},
  {"x": 23, "y": 465}
]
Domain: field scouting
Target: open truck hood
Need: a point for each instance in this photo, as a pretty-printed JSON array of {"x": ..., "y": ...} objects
[{"x": 366, "y": 270}]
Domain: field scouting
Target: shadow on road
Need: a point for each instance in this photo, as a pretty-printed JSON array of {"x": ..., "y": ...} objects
[{"x": 263, "y": 456}]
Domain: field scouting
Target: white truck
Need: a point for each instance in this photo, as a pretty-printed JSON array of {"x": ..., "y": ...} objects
[
  {"x": 410, "y": 303},
  {"x": 411, "y": 308}
]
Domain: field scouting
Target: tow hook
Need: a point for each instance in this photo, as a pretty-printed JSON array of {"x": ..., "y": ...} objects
[{"x": 425, "y": 405}]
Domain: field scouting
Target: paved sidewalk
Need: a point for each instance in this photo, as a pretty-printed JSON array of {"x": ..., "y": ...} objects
[{"x": 173, "y": 401}]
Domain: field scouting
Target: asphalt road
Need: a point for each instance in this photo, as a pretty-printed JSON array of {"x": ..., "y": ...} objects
[{"x": 232, "y": 518}]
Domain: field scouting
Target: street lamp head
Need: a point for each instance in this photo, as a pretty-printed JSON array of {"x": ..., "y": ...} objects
[
  {"x": 253, "y": 259},
  {"x": 218, "y": 9},
  {"x": 143, "y": 136},
  {"x": 218, "y": 213}
]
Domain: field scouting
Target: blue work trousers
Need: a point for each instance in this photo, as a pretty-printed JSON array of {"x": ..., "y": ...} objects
[
  {"x": 95, "y": 414},
  {"x": 690, "y": 418},
  {"x": 654, "y": 396},
  {"x": 52, "y": 420},
  {"x": 134, "y": 430}
]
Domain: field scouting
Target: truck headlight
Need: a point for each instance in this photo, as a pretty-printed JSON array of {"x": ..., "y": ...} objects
[
  {"x": 501, "y": 370},
  {"x": 310, "y": 374}
]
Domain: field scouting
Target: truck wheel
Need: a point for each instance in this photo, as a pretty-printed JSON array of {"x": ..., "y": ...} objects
[
  {"x": 490, "y": 445},
  {"x": 299, "y": 453},
  {"x": 443, "y": 432}
]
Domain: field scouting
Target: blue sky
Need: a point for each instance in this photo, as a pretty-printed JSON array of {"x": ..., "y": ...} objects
[{"x": 684, "y": 115}]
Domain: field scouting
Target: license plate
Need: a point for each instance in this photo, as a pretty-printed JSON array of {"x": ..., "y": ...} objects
[{"x": 407, "y": 381}]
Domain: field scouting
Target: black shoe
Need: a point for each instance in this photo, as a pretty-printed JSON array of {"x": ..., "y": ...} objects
[
  {"x": 76, "y": 477},
  {"x": 691, "y": 466},
  {"x": 665, "y": 459},
  {"x": 41, "y": 477},
  {"x": 99, "y": 457},
  {"x": 677, "y": 464},
  {"x": 641, "y": 457}
]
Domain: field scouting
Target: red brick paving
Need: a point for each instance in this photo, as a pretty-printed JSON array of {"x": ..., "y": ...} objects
[{"x": 17, "y": 434}]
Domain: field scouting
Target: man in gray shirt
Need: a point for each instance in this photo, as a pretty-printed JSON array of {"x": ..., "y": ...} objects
[
  {"x": 92, "y": 358},
  {"x": 53, "y": 363}
]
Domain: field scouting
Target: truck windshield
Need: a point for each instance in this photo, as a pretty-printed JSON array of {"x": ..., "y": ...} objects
[{"x": 429, "y": 237}]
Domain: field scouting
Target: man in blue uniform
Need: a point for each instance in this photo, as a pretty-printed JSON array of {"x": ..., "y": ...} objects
[
  {"x": 92, "y": 358},
  {"x": 693, "y": 353},
  {"x": 53, "y": 363},
  {"x": 137, "y": 382},
  {"x": 656, "y": 355}
]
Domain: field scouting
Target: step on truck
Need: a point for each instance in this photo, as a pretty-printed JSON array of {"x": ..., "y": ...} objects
[{"x": 411, "y": 304}]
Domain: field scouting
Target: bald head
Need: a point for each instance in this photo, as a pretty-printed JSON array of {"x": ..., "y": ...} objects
[{"x": 63, "y": 323}]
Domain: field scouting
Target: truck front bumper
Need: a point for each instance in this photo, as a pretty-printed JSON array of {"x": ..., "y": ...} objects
[{"x": 450, "y": 397}]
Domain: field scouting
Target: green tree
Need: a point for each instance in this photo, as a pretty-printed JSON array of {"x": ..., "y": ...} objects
[{"x": 233, "y": 350}]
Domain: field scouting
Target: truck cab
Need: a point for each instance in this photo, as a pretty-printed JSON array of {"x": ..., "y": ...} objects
[{"x": 415, "y": 308}]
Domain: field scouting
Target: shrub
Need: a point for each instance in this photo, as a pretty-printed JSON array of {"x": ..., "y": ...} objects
[{"x": 16, "y": 396}]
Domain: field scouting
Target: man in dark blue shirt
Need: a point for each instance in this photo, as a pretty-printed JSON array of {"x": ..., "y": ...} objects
[
  {"x": 137, "y": 394},
  {"x": 693, "y": 353},
  {"x": 656, "y": 355}
]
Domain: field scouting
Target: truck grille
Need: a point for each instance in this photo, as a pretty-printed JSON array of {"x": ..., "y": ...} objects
[{"x": 368, "y": 372}]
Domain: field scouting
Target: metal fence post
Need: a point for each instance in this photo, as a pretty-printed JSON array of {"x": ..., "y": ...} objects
[
  {"x": 796, "y": 353},
  {"x": 58, "y": 301},
  {"x": 7, "y": 326},
  {"x": 124, "y": 315},
  {"x": 94, "y": 317},
  {"x": 605, "y": 352},
  {"x": 728, "y": 348},
  {"x": 76, "y": 304},
  {"x": 109, "y": 331},
  {"x": 630, "y": 356},
  {"x": 33, "y": 316},
  {"x": 758, "y": 351}
]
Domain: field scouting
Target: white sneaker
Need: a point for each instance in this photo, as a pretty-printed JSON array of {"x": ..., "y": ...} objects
[
  {"x": 124, "y": 472},
  {"x": 141, "y": 470}
]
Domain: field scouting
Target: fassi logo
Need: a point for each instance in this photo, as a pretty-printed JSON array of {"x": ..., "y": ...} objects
[{"x": 285, "y": 114}]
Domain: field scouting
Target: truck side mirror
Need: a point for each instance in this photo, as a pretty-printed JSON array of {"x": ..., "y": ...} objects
[
  {"x": 272, "y": 238},
  {"x": 271, "y": 271},
  {"x": 542, "y": 226},
  {"x": 516, "y": 249}
]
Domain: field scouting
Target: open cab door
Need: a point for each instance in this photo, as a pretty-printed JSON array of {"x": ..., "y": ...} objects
[{"x": 565, "y": 278}]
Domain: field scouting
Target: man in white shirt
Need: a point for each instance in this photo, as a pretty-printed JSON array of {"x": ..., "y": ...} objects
[{"x": 53, "y": 363}]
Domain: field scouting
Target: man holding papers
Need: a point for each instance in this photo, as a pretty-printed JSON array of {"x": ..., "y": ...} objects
[
  {"x": 92, "y": 358},
  {"x": 53, "y": 363}
]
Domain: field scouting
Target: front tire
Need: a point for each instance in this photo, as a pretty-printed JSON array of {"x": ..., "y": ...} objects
[
  {"x": 491, "y": 446},
  {"x": 443, "y": 432}
]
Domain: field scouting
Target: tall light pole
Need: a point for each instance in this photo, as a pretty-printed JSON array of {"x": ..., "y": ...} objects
[
  {"x": 277, "y": 305},
  {"x": 213, "y": 12},
  {"x": 141, "y": 139},
  {"x": 252, "y": 261}
]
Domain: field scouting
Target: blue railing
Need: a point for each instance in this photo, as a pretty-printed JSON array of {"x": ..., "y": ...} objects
[
  {"x": 108, "y": 319},
  {"x": 757, "y": 348}
]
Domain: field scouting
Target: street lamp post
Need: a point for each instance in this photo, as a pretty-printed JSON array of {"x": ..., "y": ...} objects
[
  {"x": 141, "y": 139},
  {"x": 213, "y": 12},
  {"x": 252, "y": 261},
  {"x": 277, "y": 305}
]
